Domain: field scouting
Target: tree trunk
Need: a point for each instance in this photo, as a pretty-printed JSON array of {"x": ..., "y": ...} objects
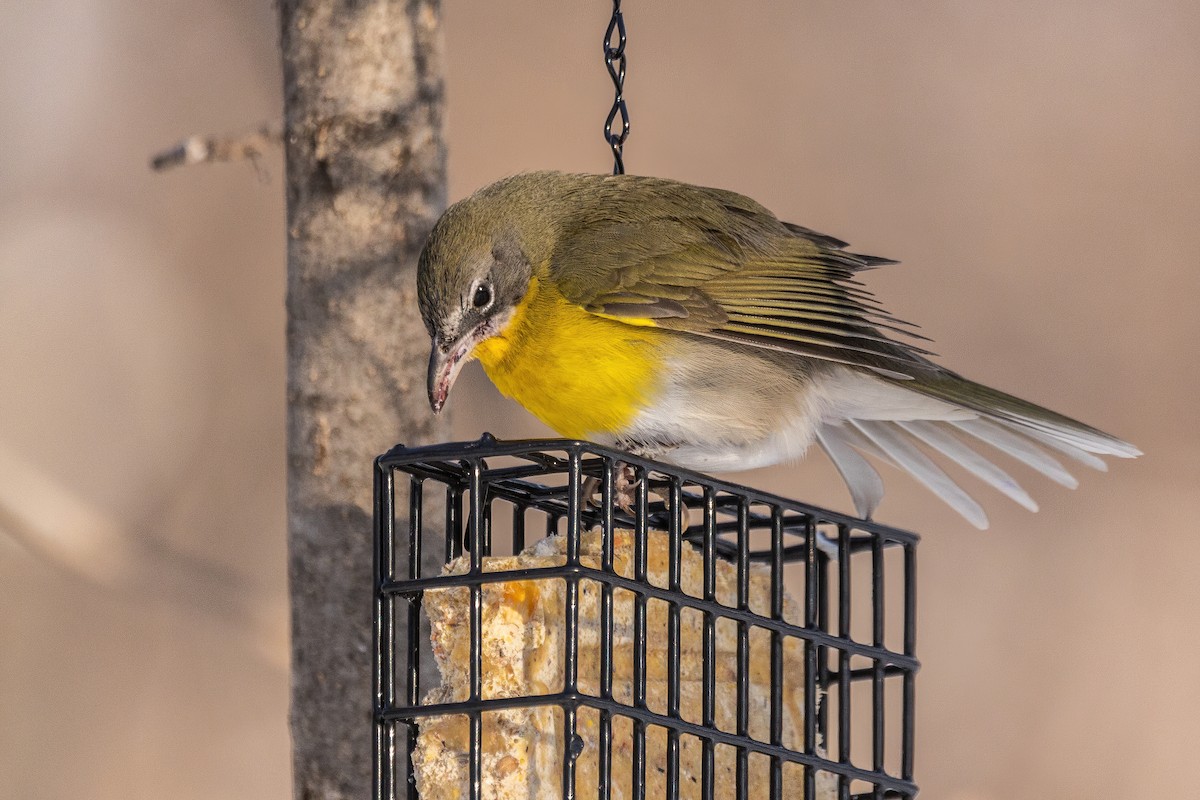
[{"x": 365, "y": 183}]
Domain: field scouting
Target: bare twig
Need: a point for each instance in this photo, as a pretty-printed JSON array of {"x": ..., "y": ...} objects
[{"x": 209, "y": 149}]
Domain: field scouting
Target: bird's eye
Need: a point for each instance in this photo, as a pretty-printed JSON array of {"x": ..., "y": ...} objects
[{"x": 482, "y": 297}]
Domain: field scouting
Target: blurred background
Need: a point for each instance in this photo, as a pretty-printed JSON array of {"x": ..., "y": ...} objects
[{"x": 1036, "y": 166}]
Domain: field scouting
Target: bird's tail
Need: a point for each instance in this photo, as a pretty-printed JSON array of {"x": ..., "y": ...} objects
[
  {"x": 950, "y": 415},
  {"x": 1048, "y": 427}
]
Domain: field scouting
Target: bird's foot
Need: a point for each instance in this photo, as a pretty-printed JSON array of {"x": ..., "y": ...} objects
[
  {"x": 624, "y": 490},
  {"x": 624, "y": 493}
]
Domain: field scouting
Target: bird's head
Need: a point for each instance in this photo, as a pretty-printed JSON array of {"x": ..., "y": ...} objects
[{"x": 474, "y": 271}]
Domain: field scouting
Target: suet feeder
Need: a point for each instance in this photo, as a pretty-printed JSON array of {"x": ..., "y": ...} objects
[{"x": 539, "y": 636}]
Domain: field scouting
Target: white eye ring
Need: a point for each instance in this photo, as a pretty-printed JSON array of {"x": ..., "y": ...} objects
[{"x": 482, "y": 295}]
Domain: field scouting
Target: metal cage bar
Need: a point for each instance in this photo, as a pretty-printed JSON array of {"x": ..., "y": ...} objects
[{"x": 808, "y": 553}]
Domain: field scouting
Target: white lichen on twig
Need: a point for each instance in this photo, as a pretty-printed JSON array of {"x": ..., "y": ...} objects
[{"x": 200, "y": 149}]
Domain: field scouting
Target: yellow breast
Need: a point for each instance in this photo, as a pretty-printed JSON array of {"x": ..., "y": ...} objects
[{"x": 581, "y": 374}]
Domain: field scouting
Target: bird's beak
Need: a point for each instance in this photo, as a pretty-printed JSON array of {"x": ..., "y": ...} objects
[{"x": 445, "y": 362}]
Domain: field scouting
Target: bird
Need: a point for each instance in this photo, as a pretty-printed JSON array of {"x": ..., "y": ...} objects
[{"x": 692, "y": 326}]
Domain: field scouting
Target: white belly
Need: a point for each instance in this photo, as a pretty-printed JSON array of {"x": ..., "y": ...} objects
[
  {"x": 758, "y": 412},
  {"x": 727, "y": 408}
]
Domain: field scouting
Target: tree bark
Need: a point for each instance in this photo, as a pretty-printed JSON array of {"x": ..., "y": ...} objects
[{"x": 365, "y": 183}]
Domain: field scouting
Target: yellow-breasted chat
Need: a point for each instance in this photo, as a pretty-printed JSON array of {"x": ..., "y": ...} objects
[{"x": 691, "y": 325}]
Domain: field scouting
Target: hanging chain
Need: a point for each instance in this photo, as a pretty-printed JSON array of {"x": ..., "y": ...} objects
[{"x": 614, "y": 59}]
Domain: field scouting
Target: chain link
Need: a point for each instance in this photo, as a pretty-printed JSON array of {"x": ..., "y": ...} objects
[{"x": 614, "y": 59}]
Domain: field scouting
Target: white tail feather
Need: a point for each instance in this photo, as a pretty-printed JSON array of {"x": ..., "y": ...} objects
[
  {"x": 866, "y": 487},
  {"x": 946, "y": 443},
  {"x": 855, "y": 438},
  {"x": 1067, "y": 449},
  {"x": 864, "y": 415},
  {"x": 891, "y": 440},
  {"x": 1019, "y": 448},
  {"x": 1083, "y": 438}
]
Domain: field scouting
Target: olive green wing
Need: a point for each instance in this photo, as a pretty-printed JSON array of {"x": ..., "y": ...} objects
[{"x": 717, "y": 264}]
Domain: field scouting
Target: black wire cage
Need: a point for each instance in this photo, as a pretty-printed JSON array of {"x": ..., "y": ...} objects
[{"x": 611, "y": 627}]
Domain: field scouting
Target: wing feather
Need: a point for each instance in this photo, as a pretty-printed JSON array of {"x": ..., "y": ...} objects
[
  {"x": 811, "y": 335},
  {"x": 717, "y": 264},
  {"x": 818, "y": 311}
]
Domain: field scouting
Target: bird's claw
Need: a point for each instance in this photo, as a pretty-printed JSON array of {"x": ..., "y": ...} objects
[{"x": 624, "y": 490}]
